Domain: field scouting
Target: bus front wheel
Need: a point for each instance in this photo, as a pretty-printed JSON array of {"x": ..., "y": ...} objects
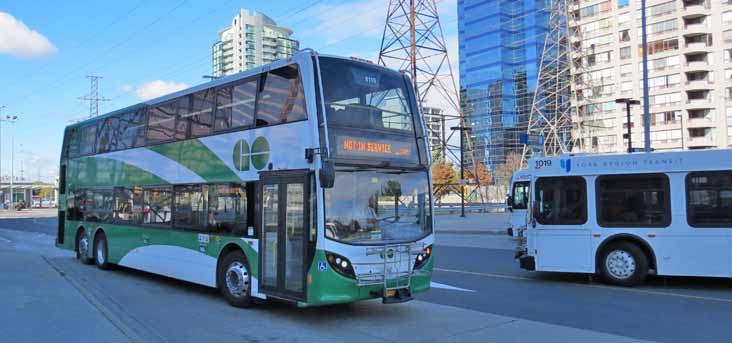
[
  {"x": 624, "y": 264},
  {"x": 235, "y": 279}
]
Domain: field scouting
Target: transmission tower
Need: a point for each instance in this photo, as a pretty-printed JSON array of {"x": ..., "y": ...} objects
[
  {"x": 93, "y": 96},
  {"x": 413, "y": 42},
  {"x": 555, "y": 101}
]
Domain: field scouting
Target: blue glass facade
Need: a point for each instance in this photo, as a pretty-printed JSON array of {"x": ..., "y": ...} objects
[{"x": 500, "y": 44}]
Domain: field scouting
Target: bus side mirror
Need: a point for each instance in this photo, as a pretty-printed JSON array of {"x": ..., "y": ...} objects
[
  {"x": 509, "y": 203},
  {"x": 534, "y": 212},
  {"x": 327, "y": 174}
]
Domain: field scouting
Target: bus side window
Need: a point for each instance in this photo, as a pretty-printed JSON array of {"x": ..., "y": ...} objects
[
  {"x": 709, "y": 199},
  {"x": 561, "y": 200},
  {"x": 633, "y": 200}
]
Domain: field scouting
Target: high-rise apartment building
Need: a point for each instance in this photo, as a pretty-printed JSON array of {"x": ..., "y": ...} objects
[
  {"x": 689, "y": 73},
  {"x": 252, "y": 40},
  {"x": 434, "y": 120},
  {"x": 500, "y": 44}
]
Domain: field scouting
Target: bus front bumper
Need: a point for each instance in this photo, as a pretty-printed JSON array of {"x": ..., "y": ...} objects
[{"x": 527, "y": 262}]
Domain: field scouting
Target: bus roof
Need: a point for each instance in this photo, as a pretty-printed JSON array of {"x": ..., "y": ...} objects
[
  {"x": 674, "y": 161},
  {"x": 302, "y": 54}
]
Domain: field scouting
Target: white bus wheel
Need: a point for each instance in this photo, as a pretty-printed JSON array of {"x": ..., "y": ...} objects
[
  {"x": 624, "y": 264},
  {"x": 82, "y": 247},
  {"x": 101, "y": 251},
  {"x": 235, "y": 279}
]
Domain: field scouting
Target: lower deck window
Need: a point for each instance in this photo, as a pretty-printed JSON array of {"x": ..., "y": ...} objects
[
  {"x": 709, "y": 199},
  {"x": 158, "y": 205},
  {"x": 635, "y": 200},
  {"x": 561, "y": 200}
]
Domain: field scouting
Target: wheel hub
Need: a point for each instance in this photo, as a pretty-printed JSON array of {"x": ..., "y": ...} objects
[
  {"x": 237, "y": 279},
  {"x": 83, "y": 246},
  {"x": 620, "y": 264},
  {"x": 100, "y": 254}
]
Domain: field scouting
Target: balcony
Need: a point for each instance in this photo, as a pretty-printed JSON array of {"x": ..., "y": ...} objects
[
  {"x": 706, "y": 141},
  {"x": 699, "y": 84},
  {"x": 697, "y": 47},
  {"x": 703, "y": 122},
  {"x": 698, "y": 66},
  {"x": 695, "y": 8},
  {"x": 695, "y": 29}
]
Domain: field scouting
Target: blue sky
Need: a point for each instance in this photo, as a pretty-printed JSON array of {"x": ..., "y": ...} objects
[{"x": 144, "y": 47}]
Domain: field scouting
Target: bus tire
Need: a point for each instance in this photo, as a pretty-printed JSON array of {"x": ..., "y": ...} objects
[
  {"x": 235, "y": 279},
  {"x": 82, "y": 247},
  {"x": 101, "y": 251},
  {"x": 624, "y": 264}
]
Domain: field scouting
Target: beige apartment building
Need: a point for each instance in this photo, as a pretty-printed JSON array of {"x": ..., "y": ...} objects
[
  {"x": 253, "y": 39},
  {"x": 689, "y": 73}
]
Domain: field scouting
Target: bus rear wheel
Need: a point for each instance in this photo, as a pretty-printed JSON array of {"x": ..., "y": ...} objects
[
  {"x": 235, "y": 279},
  {"x": 624, "y": 264},
  {"x": 82, "y": 247},
  {"x": 101, "y": 251}
]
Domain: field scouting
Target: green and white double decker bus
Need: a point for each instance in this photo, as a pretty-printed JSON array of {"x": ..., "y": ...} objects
[{"x": 305, "y": 180}]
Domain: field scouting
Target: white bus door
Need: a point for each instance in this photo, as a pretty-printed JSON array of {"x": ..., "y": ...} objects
[
  {"x": 283, "y": 211},
  {"x": 559, "y": 224}
]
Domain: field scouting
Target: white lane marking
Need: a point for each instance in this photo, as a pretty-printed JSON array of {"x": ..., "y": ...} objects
[
  {"x": 448, "y": 287},
  {"x": 614, "y": 288},
  {"x": 5, "y": 239}
]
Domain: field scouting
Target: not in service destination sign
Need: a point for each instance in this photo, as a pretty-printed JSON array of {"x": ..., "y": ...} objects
[{"x": 361, "y": 147}]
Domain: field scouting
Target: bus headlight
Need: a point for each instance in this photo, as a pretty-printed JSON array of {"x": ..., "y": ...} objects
[
  {"x": 340, "y": 264},
  {"x": 423, "y": 257}
]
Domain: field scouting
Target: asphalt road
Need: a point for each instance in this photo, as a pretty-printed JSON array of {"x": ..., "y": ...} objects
[{"x": 489, "y": 281}]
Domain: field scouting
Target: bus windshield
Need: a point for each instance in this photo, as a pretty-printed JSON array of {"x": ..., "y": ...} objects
[
  {"x": 369, "y": 111},
  {"x": 372, "y": 206}
]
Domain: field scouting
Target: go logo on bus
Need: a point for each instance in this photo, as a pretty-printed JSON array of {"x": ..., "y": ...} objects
[{"x": 257, "y": 156}]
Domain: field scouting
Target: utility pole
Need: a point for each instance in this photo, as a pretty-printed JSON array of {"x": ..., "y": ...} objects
[
  {"x": 463, "y": 183},
  {"x": 646, "y": 105},
  {"x": 93, "y": 96},
  {"x": 627, "y": 103},
  {"x": 12, "y": 120}
]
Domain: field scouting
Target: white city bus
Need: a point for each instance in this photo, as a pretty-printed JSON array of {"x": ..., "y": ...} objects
[
  {"x": 517, "y": 200},
  {"x": 627, "y": 216}
]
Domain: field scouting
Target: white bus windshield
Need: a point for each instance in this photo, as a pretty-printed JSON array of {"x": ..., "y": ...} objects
[{"x": 371, "y": 206}]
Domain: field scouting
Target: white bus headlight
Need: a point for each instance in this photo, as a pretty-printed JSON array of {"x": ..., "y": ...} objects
[
  {"x": 340, "y": 264},
  {"x": 422, "y": 257}
]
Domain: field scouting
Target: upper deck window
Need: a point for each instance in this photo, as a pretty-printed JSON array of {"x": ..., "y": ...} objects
[
  {"x": 235, "y": 105},
  {"x": 282, "y": 99},
  {"x": 362, "y": 96}
]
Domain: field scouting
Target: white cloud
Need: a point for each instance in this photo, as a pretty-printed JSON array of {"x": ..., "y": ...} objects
[
  {"x": 17, "y": 39},
  {"x": 154, "y": 89}
]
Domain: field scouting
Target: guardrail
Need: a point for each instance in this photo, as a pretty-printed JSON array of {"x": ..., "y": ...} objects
[{"x": 469, "y": 208}]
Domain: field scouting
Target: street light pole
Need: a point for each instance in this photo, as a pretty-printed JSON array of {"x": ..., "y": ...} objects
[
  {"x": 12, "y": 120},
  {"x": 462, "y": 167},
  {"x": 2, "y": 199},
  {"x": 627, "y": 103}
]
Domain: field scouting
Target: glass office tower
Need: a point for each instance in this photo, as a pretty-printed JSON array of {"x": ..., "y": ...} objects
[{"x": 500, "y": 44}]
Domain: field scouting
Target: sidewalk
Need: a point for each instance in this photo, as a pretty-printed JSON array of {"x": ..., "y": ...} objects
[
  {"x": 473, "y": 223},
  {"x": 39, "y": 305}
]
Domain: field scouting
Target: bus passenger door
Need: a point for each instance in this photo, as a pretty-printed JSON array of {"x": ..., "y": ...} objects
[
  {"x": 283, "y": 214},
  {"x": 560, "y": 225}
]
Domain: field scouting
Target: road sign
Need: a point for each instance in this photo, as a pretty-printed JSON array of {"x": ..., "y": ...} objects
[{"x": 528, "y": 139}]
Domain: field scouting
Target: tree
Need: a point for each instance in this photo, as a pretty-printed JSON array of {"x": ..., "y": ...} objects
[
  {"x": 484, "y": 176},
  {"x": 443, "y": 176}
]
